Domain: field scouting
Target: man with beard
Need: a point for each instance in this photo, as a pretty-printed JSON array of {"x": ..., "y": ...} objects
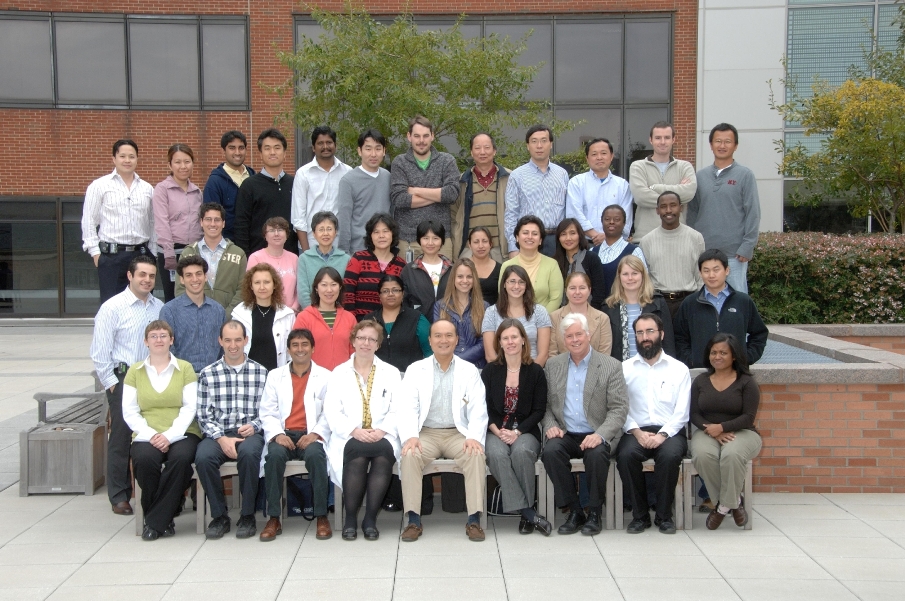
[
  {"x": 316, "y": 185},
  {"x": 659, "y": 389}
]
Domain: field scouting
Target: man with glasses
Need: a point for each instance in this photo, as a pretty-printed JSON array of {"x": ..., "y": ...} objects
[
  {"x": 659, "y": 389},
  {"x": 586, "y": 408},
  {"x": 226, "y": 262},
  {"x": 292, "y": 414}
]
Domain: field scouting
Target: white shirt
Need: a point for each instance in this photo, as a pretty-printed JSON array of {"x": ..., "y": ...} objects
[
  {"x": 373, "y": 174},
  {"x": 588, "y": 196},
  {"x": 314, "y": 190},
  {"x": 114, "y": 212},
  {"x": 658, "y": 394},
  {"x": 608, "y": 253},
  {"x": 132, "y": 412}
]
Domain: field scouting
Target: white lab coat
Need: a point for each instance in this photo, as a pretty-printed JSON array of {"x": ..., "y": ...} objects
[
  {"x": 469, "y": 402},
  {"x": 276, "y": 403},
  {"x": 344, "y": 410},
  {"x": 282, "y": 325}
]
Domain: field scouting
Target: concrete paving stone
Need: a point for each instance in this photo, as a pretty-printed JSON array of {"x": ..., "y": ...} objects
[
  {"x": 449, "y": 566},
  {"x": 865, "y": 568},
  {"x": 151, "y": 592},
  {"x": 822, "y": 546},
  {"x": 37, "y": 576},
  {"x": 790, "y": 498},
  {"x": 572, "y": 566},
  {"x": 387, "y": 544},
  {"x": 250, "y": 590},
  {"x": 72, "y": 532},
  {"x": 230, "y": 547},
  {"x": 804, "y": 512},
  {"x": 741, "y": 546},
  {"x": 893, "y": 530},
  {"x": 178, "y": 548},
  {"x": 341, "y": 568},
  {"x": 871, "y": 590},
  {"x": 449, "y": 589},
  {"x": 214, "y": 570},
  {"x": 674, "y": 589},
  {"x": 847, "y": 499},
  {"x": 25, "y": 594},
  {"x": 544, "y": 589},
  {"x": 661, "y": 566},
  {"x": 48, "y": 553},
  {"x": 791, "y": 589},
  {"x": 510, "y": 542},
  {"x": 760, "y": 526},
  {"x": 620, "y": 543},
  {"x": 349, "y": 589},
  {"x": 877, "y": 512},
  {"x": 762, "y": 566},
  {"x": 128, "y": 573},
  {"x": 794, "y": 527},
  {"x": 447, "y": 538}
]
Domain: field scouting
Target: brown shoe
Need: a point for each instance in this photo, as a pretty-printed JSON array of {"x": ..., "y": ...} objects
[
  {"x": 714, "y": 519},
  {"x": 740, "y": 516},
  {"x": 323, "y": 528},
  {"x": 271, "y": 530},
  {"x": 122, "y": 508},
  {"x": 474, "y": 532},
  {"x": 411, "y": 533}
]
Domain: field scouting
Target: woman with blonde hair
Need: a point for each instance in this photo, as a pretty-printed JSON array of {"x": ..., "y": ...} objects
[
  {"x": 266, "y": 317},
  {"x": 463, "y": 304},
  {"x": 578, "y": 293},
  {"x": 633, "y": 294}
]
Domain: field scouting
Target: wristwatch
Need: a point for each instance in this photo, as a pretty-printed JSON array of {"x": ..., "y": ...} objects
[
  {"x": 517, "y": 432},
  {"x": 663, "y": 434}
]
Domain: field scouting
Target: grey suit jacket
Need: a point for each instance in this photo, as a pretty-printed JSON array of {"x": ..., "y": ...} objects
[{"x": 605, "y": 395}]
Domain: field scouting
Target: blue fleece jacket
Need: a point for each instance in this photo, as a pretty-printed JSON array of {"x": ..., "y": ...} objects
[{"x": 221, "y": 188}]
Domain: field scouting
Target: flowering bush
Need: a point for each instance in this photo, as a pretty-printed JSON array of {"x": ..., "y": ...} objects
[{"x": 806, "y": 277}]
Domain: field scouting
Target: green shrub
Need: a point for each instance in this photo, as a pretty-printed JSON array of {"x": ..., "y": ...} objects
[{"x": 805, "y": 277}]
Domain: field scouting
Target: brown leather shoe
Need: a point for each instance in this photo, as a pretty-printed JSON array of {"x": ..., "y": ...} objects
[
  {"x": 714, "y": 519},
  {"x": 411, "y": 533},
  {"x": 740, "y": 516},
  {"x": 474, "y": 532},
  {"x": 122, "y": 508},
  {"x": 271, "y": 530},
  {"x": 323, "y": 528}
]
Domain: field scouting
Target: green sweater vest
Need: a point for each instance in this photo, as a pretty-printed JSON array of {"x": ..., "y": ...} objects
[{"x": 160, "y": 409}]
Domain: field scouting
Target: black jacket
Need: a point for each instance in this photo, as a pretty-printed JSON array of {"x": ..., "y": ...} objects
[
  {"x": 419, "y": 290},
  {"x": 659, "y": 308},
  {"x": 400, "y": 348},
  {"x": 221, "y": 188},
  {"x": 261, "y": 197},
  {"x": 532, "y": 396},
  {"x": 697, "y": 321}
]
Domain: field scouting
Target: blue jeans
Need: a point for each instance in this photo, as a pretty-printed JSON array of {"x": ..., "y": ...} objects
[{"x": 738, "y": 275}]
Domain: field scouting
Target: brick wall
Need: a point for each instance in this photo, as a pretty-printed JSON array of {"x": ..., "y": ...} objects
[
  {"x": 831, "y": 438},
  {"x": 77, "y": 143},
  {"x": 895, "y": 344}
]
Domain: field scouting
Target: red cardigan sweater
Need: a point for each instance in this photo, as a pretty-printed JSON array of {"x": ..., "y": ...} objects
[
  {"x": 331, "y": 347},
  {"x": 362, "y": 279}
]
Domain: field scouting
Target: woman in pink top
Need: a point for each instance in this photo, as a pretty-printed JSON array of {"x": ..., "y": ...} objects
[
  {"x": 176, "y": 202},
  {"x": 276, "y": 229}
]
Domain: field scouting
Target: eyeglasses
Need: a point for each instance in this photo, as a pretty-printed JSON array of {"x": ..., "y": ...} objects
[
  {"x": 158, "y": 336},
  {"x": 367, "y": 339},
  {"x": 212, "y": 220},
  {"x": 325, "y": 230},
  {"x": 646, "y": 333},
  {"x": 515, "y": 282},
  {"x": 276, "y": 231},
  {"x": 387, "y": 291}
]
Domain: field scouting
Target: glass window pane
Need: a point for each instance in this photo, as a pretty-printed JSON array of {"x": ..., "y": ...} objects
[
  {"x": 811, "y": 143},
  {"x": 22, "y": 208},
  {"x": 888, "y": 33},
  {"x": 599, "y": 123},
  {"x": 26, "y": 66},
  {"x": 164, "y": 60},
  {"x": 81, "y": 294},
  {"x": 637, "y": 132},
  {"x": 91, "y": 62},
  {"x": 588, "y": 62},
  {"x": 647, "y": 46},
  {"x": 29, "y": 273},
  {"x": 307, "y": 29},
  {"x": 225, "y": 64},
  {"x": 539, "y": 49}
]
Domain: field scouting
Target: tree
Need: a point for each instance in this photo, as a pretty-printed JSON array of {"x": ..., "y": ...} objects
[
  {"x": 362, "y": 73},
  {"x": 861, "y": 128}
]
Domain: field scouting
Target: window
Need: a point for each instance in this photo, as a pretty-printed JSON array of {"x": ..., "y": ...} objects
[{"x": 124, "y": 61}]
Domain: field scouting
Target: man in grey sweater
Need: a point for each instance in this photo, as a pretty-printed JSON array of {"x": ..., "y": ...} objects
[
  {"x": 424, "y": 183},
  {"x": 726, "y": 208},
  {"x": 363, "y": 192}
]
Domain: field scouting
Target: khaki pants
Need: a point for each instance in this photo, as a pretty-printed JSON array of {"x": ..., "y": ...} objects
[
  {"x": 445, "y": 250},
  {"x": 723, "y": 467},
  {"x": 442, "y": 444}
]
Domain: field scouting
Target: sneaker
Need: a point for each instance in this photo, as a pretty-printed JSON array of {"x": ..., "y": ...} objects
[
  {"x": 246, "y": 527},
  {"x": 217, "y": 528}
]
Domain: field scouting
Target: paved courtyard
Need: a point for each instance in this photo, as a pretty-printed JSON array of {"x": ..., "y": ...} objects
[{"x": 802, "y": 546}]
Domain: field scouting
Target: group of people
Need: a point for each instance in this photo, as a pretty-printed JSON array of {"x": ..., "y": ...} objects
[{"x": 479, "y": 302}]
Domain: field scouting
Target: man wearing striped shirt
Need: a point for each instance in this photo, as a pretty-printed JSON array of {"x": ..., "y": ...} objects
[
  {"x": 229, "y": 397},
  {"x": 536, "y": 188},
  {"x": 117, "y": 220},
  {"x": 118, "y": 342}
]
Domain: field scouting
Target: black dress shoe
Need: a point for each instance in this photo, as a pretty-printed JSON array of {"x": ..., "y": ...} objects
[
  {"x": 667, "y": 527},
  {"x": 149, "y": 534},
  {"x": 371, "y": 533},
  {"x": 592, "y": 525},
  {"x": 392, "y": 507},
  {"x": 541, "y": 524},
  {"x": 350, "y": 533},
  {"x": 525, "y": 526},
  {"x": 573, "y": 523},
  {"x": 169, "y": 530},
  {"x": 638, "y": 526}
]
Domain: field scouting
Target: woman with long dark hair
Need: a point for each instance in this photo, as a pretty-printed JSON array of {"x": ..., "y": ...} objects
[
  {"x": 367, "y": 267},
  {"x": 573, "y": 255},
  {"x": 517, "y": 301}
]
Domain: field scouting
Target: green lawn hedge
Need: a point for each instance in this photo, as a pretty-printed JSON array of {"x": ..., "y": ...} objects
[{"x": 804, "y": 277}]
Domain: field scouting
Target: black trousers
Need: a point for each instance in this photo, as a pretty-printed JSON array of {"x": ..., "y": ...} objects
[
  {"x": 667, "y": 464},
  {"x": 162, "y": 490},
  {"x": 275, "y": 467},
  {"x": 210, "y": 457},
  {"x": 163, "y": 274},
  {"x": 119, "y": 482},
  {"x": 556, "y": 456},
  {"x": 112, "y": 270}
]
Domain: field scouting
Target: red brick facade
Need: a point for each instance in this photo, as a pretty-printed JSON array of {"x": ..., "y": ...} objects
[{"x": 77, "y": 143}]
